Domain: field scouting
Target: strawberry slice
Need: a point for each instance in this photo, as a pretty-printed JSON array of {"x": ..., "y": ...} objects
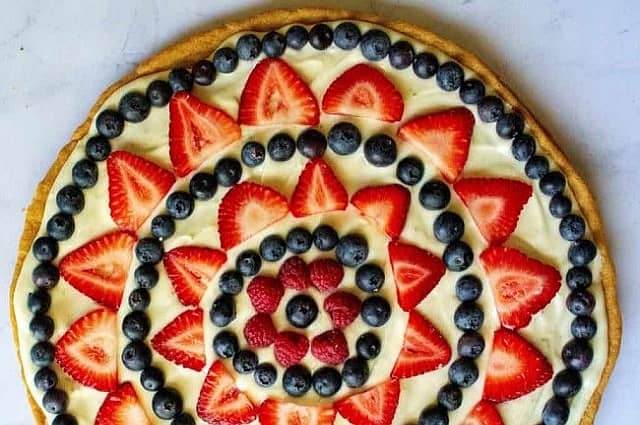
[
  {"x": 275, "y": 412},
  {"x": 494, "y": 204},
  {"x": 88, "y": 350},
  {"x": 515, "y": 368},
  {"x": 190, "y": 269},
  {"x": 424, "y": 349},
  {"x": 196, "y": 131},
  {"x": 221, "y": 402},
  {"x": 386, "y": 206},
  {"x": 415, "y": 271},
  {"x": 376, "y": 406},
  {"x": 136, "y": 187},
  {"x": 182, "y": 340},
  {"x": 275, "y": 94},
  {"x": 318, "y": 190},
  {"x": 521, "y": 286},
  {"x": 122, "y": 407},
  {"x": 364, "y": 91},
  {"x": 247, "y": 209},
  {"x": 99, "y": 268},
  {"x": 444, "y": 137},
  {"x": 484, "y": 413}
]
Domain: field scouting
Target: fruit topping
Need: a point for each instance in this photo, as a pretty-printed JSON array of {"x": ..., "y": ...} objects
[
  {"x": 386, "y": 206},
  {"x": 275, "y": 412},
  {"x": 182, "y": 340},
  {"x": 259, "y": 331},
  {"x": 376, "y": 406},
  {"x": 342, "y": 307},
  {"x": 325, "y": 274},
  {"x": 318, "y": 190},
  {"x": 121, "y": 407},
  {"x": 484, "y": 413},
  {"x": 294, "y": 274},
  {"x": 265, "y": 294},
  {"x": 330, "y": 347},
  {"x": 290, "y": 348}
]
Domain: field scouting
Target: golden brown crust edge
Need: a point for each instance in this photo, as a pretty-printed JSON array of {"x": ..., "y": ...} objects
[{"x": 193, "y": 48}]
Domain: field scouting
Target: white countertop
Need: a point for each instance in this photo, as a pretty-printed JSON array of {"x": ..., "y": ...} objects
[{"x": 575, "y": 64}]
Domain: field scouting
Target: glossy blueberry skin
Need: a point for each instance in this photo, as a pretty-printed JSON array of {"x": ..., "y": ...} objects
[
  {"x": 457, "y": 256},
  {"x": 110, "y": 123},
  {"x": 471, "y": 91},
  {"x": 468, "y": 288},
  {"x": 450, "y": 76},
  {"x": 555, "y": 412},
  {"x": 85, "y": 173},
  {"x": 434, "y": 416},
  {"x": 45, "y": 275},
  {"x": 375, "y": 311},
  {"x": 572, "y": 227},
  {"x": 347, "y": 35},
  {"x": 64, "y": 419},
  {"x": 265, "y": 375},
  {"x": 60, "y": 226},
  {"x": 223, "y": 311},
  {"x": 326, "y": 381},
  {"x": 70, "y": 199},
  {"x": 471, "y": 345},
  {"x": 253, "y": 154},
  {"x": 311, "y": 143},
  {"x": 355, "y": 372},
  {"x": 225, "y": 60},
  {"x": 245, "y": 361},
  {"x": 448, "y": 227},
  {"x": 45, "y": 248},
  {"x": 344, "y": 138},
  {"x": 450, "y": 397},
  {"x": 581, "y": 302},
  {"x": 139, "y": 299},
  {"x": 228, "y": 172},
  {"x": 582, "y": 252},
  {"x": 149, "y": 251},
  {"x": 320, "y": 36},
  {"x": 231, "y": 282},
  {"x": 45, "y": 379},
  {"x": 183, "y": 419},
  {"x": 163, "y": 226},
  {"x": 204, "y": 72},
  {"x": 136, "y": 325},
  {"x": 490, "y": 109},
  {"x": 296, "y": 380},
  {"x": 425, "y": 65},
  {"x": 301, "y": 311},
  {"x": 180, "y": 80},
  {"x": 368, "y": 346},
  {"x": 273, "y": 248},
  {"x": 552, "y": 183},
  {"x": 41, "y": 327},
  {"x": 55, "y": 401},
  {"x": 136, "y": 356},
  {"x": 42, "y": 353},
  {"x": 225, "y": 344},
  {"x": 134, "y": 107},
  {"x": 166, "y": 403},
  {"x": 39, "y": 301},
  {"x": 248, "y": 263},
  {"x": 299, "y": 240},
  {"x": 203, "y": 186},
  {"x": 274, "y": 44},
  {"x": 536, "y": 167},
  {"x": 146, "y": 276},
  {"x": 297, "y": 37},
  {"x": 325, "y": 238},
  {"x": 98, "y": 148},
  {"x": 509, "y": 125},
  {"x": 151, "y": 378},
  {"x": 159, "y": 93},
  {"x": 559, "y": 205},
  {"x": 380, "y": 150},
  {"x": 584, "y": 327},
  {"x": 352, "y": 250},
  {"x": 370, "y": 278},
  {"x": 375, "y": 45},
  {"x": 248, "y": 47},
  {"x": 463, "y": 372},
  {"x": 577, "y": 354},
  {"x": 281, "y": 147},
  {"x": 523, "y": 147},
  {"x": 434, "y": 195},
  {"x": 468, "y": 316},
  {"x": 567, "y": 383},
  {"x": 180, "y": 205},
  {"x": 410, "y": 170},
  {"x": 401, "y": 55}
]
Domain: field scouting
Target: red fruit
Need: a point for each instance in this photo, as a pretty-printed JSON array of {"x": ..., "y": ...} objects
[
  {"x": 330, "y": 347},
  {"x": 294, "y": 274},
  {"x": 190, "y": 269},
  {"x": 290, "y": 348},
  {"x": 521, "y": 286},
  {"x": 259, "y": 331},
  {"x": 275, "y": 412},
  {"x": 318, "y": 190},
  {"x": 515, "y": 368},
  {"x": 494, "y": 204},
  {"x": 343, "y": 308},
  {"x": 364, "y": 91},
  {"x": 325, "y": 274},
  {"x": 246, "y": 209},
  {"x": 386, "y": 206},
  {"x": 424, "y": 349},
  {"x": 136, "y": 187},
  {"x": 415, "y": 271},
  {"x": 444, "y": 137},
  {"x": 265, "y": 294},
  {"x": 182, "y": 340},
  {"x": 376, "y": 406},
  {"x": 88, "y": 350},
  {"x": 484, "y": 413},
  {"x": 220, "y": 402},
  {"x": 122, "y": 407},
  {"x": 275, "y": 94},
  {"x": 197, "y": 131},
  {"x": 99, "y": 268}
]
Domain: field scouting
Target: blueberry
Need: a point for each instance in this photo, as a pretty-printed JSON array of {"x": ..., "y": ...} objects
[
  {"x": 70, "y": 199},
  {"x": 325, "y": 238},
  {"x": 555, "y": 412},
  {"x": 572, "y": 227},
  {"x": 450, "y": 397},
  {"x": 355, "y": 372},
  {"x": 410, "y": 170},
  {"x": 253, "y": 154},
  {"x": 352, "y": 250},
  {"x": 463, "y": 372},
  {"x": 296, "y": 38},
  {"x": 347, "y": 35},
  {"x": 301, "y": 311},
  {"x": 146, "y": 276},
  {"x": 228, "y": 172},
  {"x": 203, "y": 186},
  {"x": 509, "y": 125},
  {"x": 136, "y": 355},
  {"x": 312, "y": 143},
  {"x": 448, "y": 227},
  {"x": 296, "y": 380},
  {"x": 183, "y": 419},
  {"x": 42, "y": 353},
  {"x": 273, "y": 248},
  {"x": 401, "y": 55},
  {"x": 151, "y": 378},
  {"x": 41, "y": 327},
  {"x": 380, "y": 150},
  {"x": 159, "y": 92},
  {"x": 468, "y": 288},
  {"x": 281, "y": 147},
  {"x": 45, "y": 275},
  {"x": 577, "y": 354},
  {"x": 60, "y": 226},
  {"x": 134, "y": 107},
  {"x": 299, "y": 240},
  {"x": 490, "y": 109},
  {"x": 180, "y": 205},
  {"x": 248, "y": 263},
  {"x": 248, "y": 47},
  {"x": 180, "y": 80},
  {"x": 470, "y": 344},
  {"x": 450, "y": 76},
  {"x": 204, "y": 72},
  {"x": 163, "y": 226},
  {"x": 567, "y": 383},
  {"x": 368, "y": 346},
  {"x": 581, "y": 302},
  {"x": 582, "y": 252},
  {"x": 434, "y": 416},
  {"x": 110, "y": 123},
  {"x": 468, "y": 316},
  {"x": 149, "y": 250},
  {"x": 231, "y": 282},
  {"x": 139, "y": 299},
  {"x": 375, "y": 45},
  {"x": 64, "y": 419},
  {"x": 265, "y": 375},
  {"x": 579, "y": 278},
  {"x": 225, "y": 344},
  {"x": 98, "y": 148},
  {"x": 39, "y": 301},
  {"x": 136, "y": 325},
  {"x": 369, "y": 278},
  {"x": 584, "y": 327},
  {"x": 559, "y": 205},
  {"x": 225, "y": 60},
  {"x": 344, "y": 138},
  {"x": 552, "y": 183},
  {"x": 273, "y": 44},
  {"x": 471, "y": 91},
  {"x": 536, "y": 167},
  {"x": 45, "y": 248},
  {"x": 223, "y": 311},
  {"x": 425, "y": 65},
  {"x": 85, "y": 173},
  {"x": 434, "y": 195},
  {"x": 320, "y": 36},
  {"x": 523, "y": 147},
  {"x": 55, "y": 401},
  {"x": 457, "y": 256},
  {"x": 166, "y": 403},
  {"x": 326, "y": 381},
  {"x": 375, "y": 311}
]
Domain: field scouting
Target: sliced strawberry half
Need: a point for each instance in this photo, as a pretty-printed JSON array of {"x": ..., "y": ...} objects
[
  {"x": 515, "y": 368},
  {"x": 136, "y": 187},
  {"x": 122, "y": 407},
  {"x": 276, "y": 412},
  {"x": 99, "y": 268},
  {"x": 190, "y": 269},
  {"x": 521, "y": 286},
  {"x": 444, "y": 137},
  {"x": 386, "y": 206},
  {"x": 484, "y": 413},
  {"x": 376, "y": 406},
  {"x": 88, "y": 350},
  {"x": 318, "y": 190},
  {"x": 494, "y": 204},
  {"x": 247, "y": 209},
  {"x": 196, "y": 131},
  {"x": 182, "y": 340},
  {"x": 364, "y": 91},
  {"x": 221, "y": 402},
  {"x": 424, "y": 349},
  {"x": 415, "y": 271},
  {"x": 275, "y": 94}
]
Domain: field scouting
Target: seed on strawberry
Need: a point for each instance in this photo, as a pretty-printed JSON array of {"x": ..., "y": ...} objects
[
  {"x": 325, "y": 274},
  {"x": 294, "y": 274},
  {"x": 265, "y": 293},
  {"x": 260, "y": 331},
  {"x": 121, "y": 407},
  {"x": 343, "y": 308},
  {"x": 330, "y": 347}
]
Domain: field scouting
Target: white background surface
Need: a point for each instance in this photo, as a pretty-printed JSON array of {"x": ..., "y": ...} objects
[{"x": 576, "y": 64}]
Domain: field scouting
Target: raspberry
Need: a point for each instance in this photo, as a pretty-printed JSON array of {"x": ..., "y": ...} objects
[
  {"x": 294, "y": 274},
  {"x": 330, "y": 347},
  {"x": 290, "y": 348},
  {"x": 265, "y": 294},
  {"x": 326, "y": 274},
  {"x": 343, "y": 308},
  {"x": 260, "y": 331}
]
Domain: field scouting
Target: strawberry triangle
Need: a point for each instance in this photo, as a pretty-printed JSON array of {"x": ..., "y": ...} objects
[
  {"x": 483, "y": 413},
  {"x": 318, "y": 191},
  {"x": 122, "y": 407},
  {"x": 276, "y": 412},
  {"x": 182, "y": 340},
  {"x": 386, "y": 206},
  {"x": 376, "y": 406}
]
